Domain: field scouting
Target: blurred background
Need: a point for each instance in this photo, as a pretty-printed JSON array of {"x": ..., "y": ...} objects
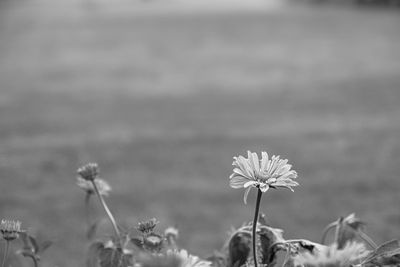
[{"x": 163, "y": 93}]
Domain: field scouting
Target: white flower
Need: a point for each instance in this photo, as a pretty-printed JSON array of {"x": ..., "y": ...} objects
[
  {"x": 189, "y": 260},
  {"x": 265, "y": 173},
  {"x": 352, "y": 253}
]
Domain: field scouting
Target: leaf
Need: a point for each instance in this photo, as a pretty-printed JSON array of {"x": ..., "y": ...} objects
[
  {"x": 384, "y": 252},
  {"x": 45, "y": 245},
  {"x": 137, "y": 242},
  {"x": 239, "y": 248},
  {"x": 268, "y": 237},
  {"x": 114, "y": 257}
]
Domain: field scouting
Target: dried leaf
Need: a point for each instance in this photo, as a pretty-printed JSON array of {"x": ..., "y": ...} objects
[
  {"x": 239, "y": 248},
  {"x": 387, "y": 252}
]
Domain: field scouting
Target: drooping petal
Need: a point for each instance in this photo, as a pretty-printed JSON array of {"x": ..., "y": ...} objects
[{"x": 246, "y": 193}]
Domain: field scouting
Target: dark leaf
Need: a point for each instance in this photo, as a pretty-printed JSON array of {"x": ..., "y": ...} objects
[{"x": 239, "y": 248}]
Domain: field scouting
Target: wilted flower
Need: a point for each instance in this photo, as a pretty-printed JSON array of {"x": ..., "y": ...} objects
[
  {"x": 147, "y": 226},
  {"x": 10, "y": 229},
  {"x": 103, "y": 187},
  {"x": 352, "y": 253},
  {"x": 89, "y": 171},
  {"x": 189, "y": 260},
  {"x": 265, "y": 173},
  {"x": 171, "y": 234}
]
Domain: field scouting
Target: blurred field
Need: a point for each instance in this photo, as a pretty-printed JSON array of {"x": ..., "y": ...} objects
[{"x": 163, "y": 102}]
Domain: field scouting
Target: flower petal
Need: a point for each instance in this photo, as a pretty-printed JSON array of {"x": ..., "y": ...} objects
[
  {"x": 264, "y": 161},
  {"x": 246, "y": 193},
  {"x": 249, "y": 183},
  {"x": 254, "y": 162},
  {"x": 237, "y": 181}
]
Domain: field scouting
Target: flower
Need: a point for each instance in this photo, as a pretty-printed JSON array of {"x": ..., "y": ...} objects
[
  {"x": 265, "y": 173},
  {"x": 188, "y": 260},
  {"x": 103, "y": 187},
  {"x": 10, "y": 229},
  {"x": 352, "y": 253},
  {"x": 89, "y": 171}
]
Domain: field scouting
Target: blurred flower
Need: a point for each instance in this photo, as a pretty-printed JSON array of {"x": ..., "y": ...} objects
[
  {"x": 103, "y": 187},
  {"x": 189, "y": 260},
  {"x": 10, "y": 229},
  {"x": 147, "y": 226},
  {"x": 153, "y": 242},
  {"x": 89, "y": 171},
  {"x": 265, "y": 173},
  {"x": 352, "y": 253},
  {"x": 171, "y": 234}
]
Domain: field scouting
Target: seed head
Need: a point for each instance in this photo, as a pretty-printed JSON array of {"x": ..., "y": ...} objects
[
  {"x": 89, "y": 171},
  {"x": 10, "y": 229}
]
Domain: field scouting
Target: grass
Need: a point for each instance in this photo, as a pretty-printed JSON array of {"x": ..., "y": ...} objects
[{"x": 164, "y": 102}]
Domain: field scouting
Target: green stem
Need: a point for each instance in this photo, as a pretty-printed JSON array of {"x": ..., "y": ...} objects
[
  {"x": 5, "y": 253},
  {"x": 35, "y": 262},
  {"x": 367, "y": 239},
  {"x": 259, "y": 194},
  {"x": 108, "y": 212}
]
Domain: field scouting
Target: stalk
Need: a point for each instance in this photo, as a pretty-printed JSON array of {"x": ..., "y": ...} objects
[
  {"x": 259, "y": 194},
  {"x": 5, "y": 253},
  {"x": 108, "y": 212},
  {"x": 35, "y": 262},
  {"x": 367, "y": 239}
]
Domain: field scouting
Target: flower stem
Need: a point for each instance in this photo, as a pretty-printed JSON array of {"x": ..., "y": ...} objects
[
  {"x": 108, "y": 212},
  {"x": 5, "y": 253},
  {"x": 259, "y": 194},
  {"x": 35, "y": 262}
]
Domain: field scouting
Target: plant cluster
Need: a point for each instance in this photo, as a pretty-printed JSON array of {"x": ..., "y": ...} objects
[{"x": 254, "y": 244}]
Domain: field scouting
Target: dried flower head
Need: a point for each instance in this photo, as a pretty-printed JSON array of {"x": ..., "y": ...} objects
[
  {"x": 352, "y": 253},
  {"x": 147, "y": 227},
  {"x": 103, "y": 187},
  {"x": 263, "y": 174},
  {"x": 89, "y": 171},
  {"x": 10, "y": 229}
]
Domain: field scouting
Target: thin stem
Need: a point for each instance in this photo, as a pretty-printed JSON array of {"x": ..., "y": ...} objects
[
  {"x": 259, "y": 194},
  {"x": 87, "y": 209},
  {"x": 367, "y": 239},
  {"x": 5, "y": 253},
  {"x": 35, "y": 262},
  {"x": 107, "y": 210}
]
